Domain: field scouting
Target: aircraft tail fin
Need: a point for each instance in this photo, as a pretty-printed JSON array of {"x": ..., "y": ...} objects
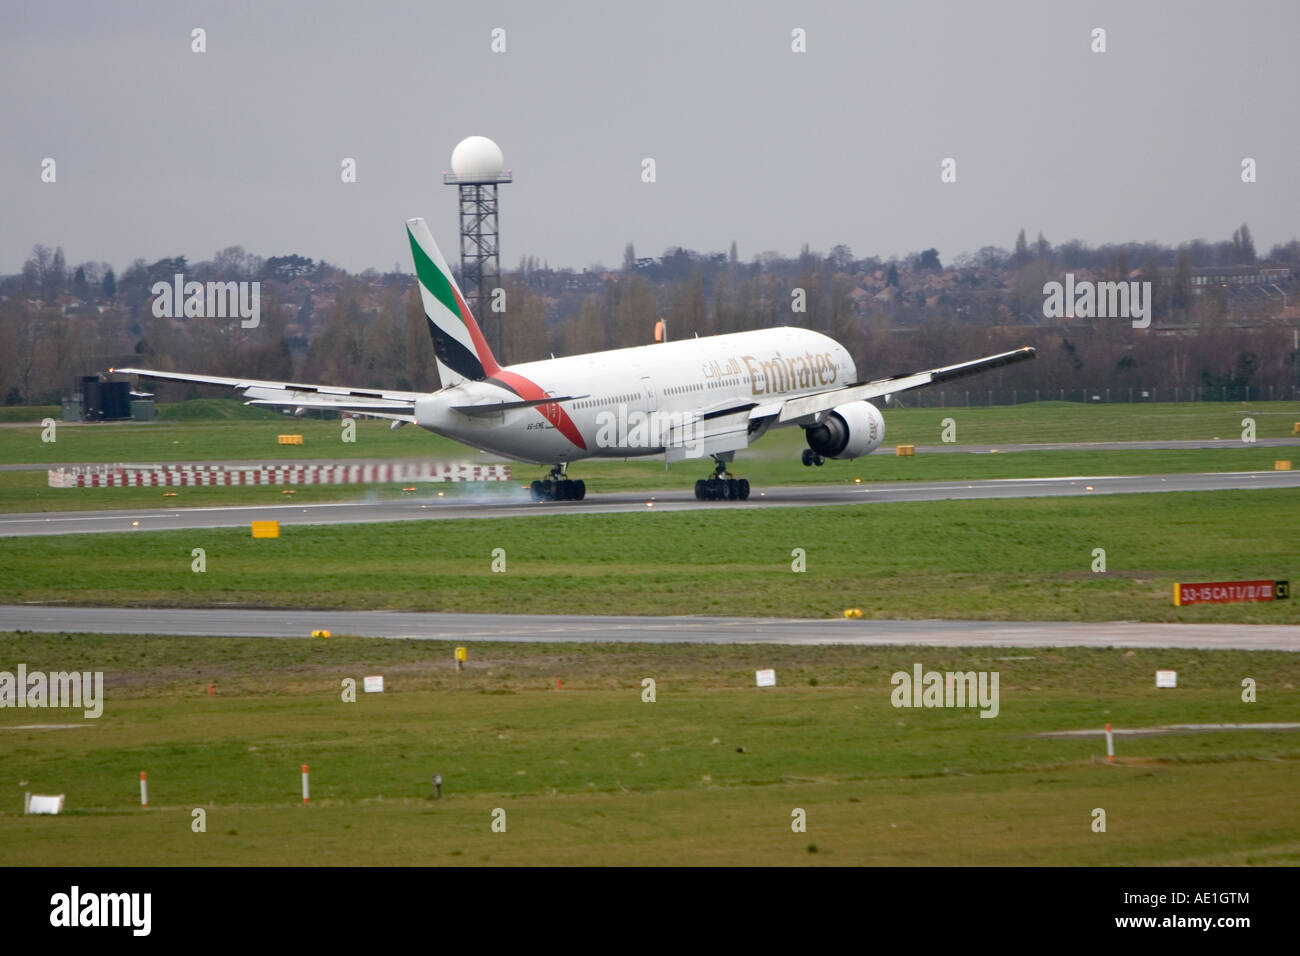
[{"x": 461, "y": 350}]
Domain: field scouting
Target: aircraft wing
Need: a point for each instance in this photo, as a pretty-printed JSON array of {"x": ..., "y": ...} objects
[
  {"x": 809, "y": 406},
  {"x": 381, "y": 403},
  {"x": 732, "y": 427}
]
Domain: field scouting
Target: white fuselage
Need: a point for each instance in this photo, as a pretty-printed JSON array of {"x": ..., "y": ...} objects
[{"x": 626, "y": 398}]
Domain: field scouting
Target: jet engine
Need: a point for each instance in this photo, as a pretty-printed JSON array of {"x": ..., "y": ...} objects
[{"x": 849, "y": 431}]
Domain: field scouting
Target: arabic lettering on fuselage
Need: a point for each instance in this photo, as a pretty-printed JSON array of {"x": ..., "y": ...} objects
[{"x": 715, "y": 369}]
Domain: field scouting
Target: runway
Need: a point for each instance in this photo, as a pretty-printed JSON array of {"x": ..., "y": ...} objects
[
  {"x": 539, "y": 628},
  {"x": 509, "y": 500}
]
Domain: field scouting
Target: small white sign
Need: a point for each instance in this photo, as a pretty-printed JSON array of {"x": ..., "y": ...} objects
[
  {"x": 765, "y": 678},
  {"x": 374, "y": 685},
  {"x": 1166, "y": 678},
  {"x": 35, "y": 803}
]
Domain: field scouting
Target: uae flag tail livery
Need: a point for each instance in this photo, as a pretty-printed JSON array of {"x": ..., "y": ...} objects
[{"x": 459, "y": 347}]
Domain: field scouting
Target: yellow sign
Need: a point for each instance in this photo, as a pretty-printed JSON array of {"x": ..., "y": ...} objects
[
  {"x": 266, "y": 529},
  {"x": 320, "y": 633},
  {"x": 903, "y": 451},
  {"x": 461, "y": 655},
  {"x": 290, "y": 439},
  {"x": 1283, "y": 465}
]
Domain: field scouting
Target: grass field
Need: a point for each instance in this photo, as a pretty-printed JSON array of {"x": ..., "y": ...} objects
[
  {"x": 1026, "y": 559},
  {"x": 710, "y": 772},
  {"x": 225, "y": 430},
  {"x": 220, "y": 430}
]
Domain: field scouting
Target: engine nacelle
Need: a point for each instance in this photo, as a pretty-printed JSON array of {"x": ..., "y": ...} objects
[{"x": 849, "y": 431}]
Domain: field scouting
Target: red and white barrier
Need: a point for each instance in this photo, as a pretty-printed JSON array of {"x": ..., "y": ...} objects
[
  {"x": 144, "y": 792},
  {"x": 305, "y": 792},
  {"x": 171, "y": 476}
]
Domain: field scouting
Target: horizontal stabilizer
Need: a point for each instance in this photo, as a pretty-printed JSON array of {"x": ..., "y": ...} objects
[
  {"x": 494, "y": 408},
  {"x": 365, "y": 408}
]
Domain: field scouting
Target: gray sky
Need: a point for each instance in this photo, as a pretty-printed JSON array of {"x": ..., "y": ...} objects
[{"x": 161, "y": 151}]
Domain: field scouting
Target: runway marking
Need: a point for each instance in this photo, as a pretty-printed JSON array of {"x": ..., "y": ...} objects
[
  {"x": 1169, "y": 729},
  {"x": 47, "y": 727}
]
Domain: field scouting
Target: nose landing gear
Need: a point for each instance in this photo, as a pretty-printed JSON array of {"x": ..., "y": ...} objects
[{"x": 811, "y": 457}]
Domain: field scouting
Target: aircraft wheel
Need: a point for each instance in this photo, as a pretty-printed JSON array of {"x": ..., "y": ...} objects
[
  {"x": 818, "y": 460},
  {"x": 743, "y": 486},
  {"x": 733, "y": 489},
  {"x": 535, "y": 490},
  {"x": 579, "y": 490},
  {"x": 807, "y": 457},
  {"x": 699, "y": 489}
]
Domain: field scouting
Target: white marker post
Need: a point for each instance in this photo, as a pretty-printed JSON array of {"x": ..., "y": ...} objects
[
  {"x": 1110, "y": 745},
  {"x": 305, "y": 791},
  {"x": 144, "y": 792}
]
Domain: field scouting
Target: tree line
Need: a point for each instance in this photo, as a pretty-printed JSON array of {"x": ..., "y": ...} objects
[{"x": 321, "y": 323}]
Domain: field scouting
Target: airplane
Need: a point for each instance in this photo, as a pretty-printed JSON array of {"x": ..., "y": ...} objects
[{"x": 696, "y": 398}]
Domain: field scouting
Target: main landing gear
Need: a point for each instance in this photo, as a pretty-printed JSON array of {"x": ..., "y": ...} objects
[
  {"x": 811, "y": 457},
  {"x": 557, "y": 487},
  {"x": 721, "y": 487}
]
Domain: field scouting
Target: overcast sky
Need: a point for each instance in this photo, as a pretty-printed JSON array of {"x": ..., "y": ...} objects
[{"x": 163, "y": 151}]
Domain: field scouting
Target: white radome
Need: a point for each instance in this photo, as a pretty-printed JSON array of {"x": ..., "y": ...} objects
[{"x": 477, "y": 157}]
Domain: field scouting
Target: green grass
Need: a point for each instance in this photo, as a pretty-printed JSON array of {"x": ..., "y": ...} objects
[
  {"x": 992, "y": 560},
  {"x": 217, "y": 409},
  {"x": 28, "y": 413},
  {"x": 222, "y": 429},
  {"x": 218, "y": 440},
  {"x": 709, "y": 773}
]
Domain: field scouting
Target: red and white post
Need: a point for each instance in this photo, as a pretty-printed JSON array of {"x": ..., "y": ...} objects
[
  {"x": 306, "y": 794},
  {"x": 144, "y": 792},
  {"x": 1110, "y": 745}
]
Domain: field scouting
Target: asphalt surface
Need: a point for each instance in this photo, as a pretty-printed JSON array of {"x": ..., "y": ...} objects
[
  {"x": 650, "y": 630},
  {"x": 508, "y": 500}
]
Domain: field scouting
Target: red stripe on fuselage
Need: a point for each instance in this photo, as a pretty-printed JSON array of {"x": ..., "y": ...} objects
[{"x": 551, "y": 411}]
